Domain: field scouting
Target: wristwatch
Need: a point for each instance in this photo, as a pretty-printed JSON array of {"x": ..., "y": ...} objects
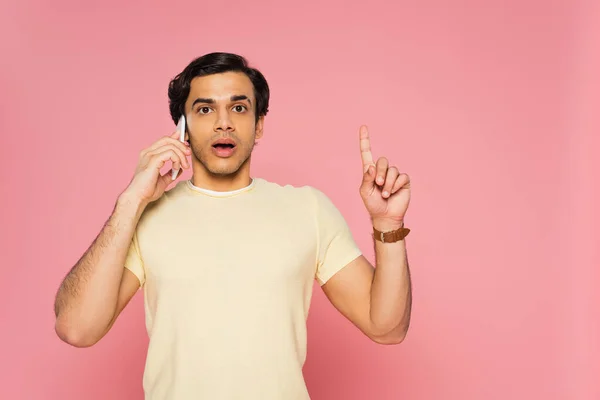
[{"x": 391, "y": 236}]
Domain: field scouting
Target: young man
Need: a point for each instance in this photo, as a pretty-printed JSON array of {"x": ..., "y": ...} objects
[{"x": 227, "y": 261}]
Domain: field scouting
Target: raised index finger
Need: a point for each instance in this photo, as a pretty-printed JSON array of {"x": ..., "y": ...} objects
[{"x": 365, "y": 148}]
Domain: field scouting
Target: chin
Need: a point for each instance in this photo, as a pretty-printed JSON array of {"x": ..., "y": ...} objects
[
  {"x": 223, "y": 172},
  {"x": 224, "y": 167}
]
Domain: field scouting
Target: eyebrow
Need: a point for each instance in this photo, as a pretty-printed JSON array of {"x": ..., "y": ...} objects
[
  {"x": 240, "y": 97},
  {"x": 237, "y": 97}
]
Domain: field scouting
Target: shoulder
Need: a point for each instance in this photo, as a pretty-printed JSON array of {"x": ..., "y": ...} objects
[
  {"x": 302, "y": 192},
  {"x": 302, "y": 196}
]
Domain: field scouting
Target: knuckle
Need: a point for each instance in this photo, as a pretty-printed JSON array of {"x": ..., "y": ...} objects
[{"x": 175, "y": 147}]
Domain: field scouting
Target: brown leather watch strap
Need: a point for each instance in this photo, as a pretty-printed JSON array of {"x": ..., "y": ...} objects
[{"x": 391, "y": 236}]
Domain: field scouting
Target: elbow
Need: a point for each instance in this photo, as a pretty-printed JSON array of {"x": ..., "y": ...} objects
[
  {"x": 388, "y": 339},
  {"x": 393, "y": 337},
  {"x": 76, "y": 337}
]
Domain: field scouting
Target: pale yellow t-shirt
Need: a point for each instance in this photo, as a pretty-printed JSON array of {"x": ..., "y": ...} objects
[{"x": 227, "y": 281}]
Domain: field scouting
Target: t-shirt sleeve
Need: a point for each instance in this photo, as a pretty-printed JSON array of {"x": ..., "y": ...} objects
[
  {"x": 134, "y": 262},
  {"x": 336, "y": 245}
]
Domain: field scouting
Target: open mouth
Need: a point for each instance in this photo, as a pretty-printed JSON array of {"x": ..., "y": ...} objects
[{"x": 223, "y": 147}]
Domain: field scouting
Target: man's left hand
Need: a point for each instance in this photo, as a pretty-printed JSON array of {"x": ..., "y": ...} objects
[{"x": 384, "y": 190}]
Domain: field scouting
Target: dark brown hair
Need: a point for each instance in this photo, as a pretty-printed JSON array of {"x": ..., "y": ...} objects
[{"x": 216, "y": 63}]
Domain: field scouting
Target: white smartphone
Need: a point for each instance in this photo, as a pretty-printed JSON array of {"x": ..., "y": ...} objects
[{"x": 181, "y": 128}]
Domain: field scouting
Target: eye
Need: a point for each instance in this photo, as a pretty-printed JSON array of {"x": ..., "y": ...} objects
[
  {"x": 239, "y": 108},
  {"x": 203, "y": 110}
]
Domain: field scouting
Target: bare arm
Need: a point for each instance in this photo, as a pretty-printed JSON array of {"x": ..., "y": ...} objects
[
  {"x": 98, "y": 287},
  {"x": 378, "y": 301}
]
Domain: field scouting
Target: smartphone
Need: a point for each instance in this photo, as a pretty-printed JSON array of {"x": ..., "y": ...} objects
[{"x": 181, "y": 129}]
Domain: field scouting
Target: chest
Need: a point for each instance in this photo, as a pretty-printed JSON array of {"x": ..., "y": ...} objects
[{"x": 259, "y": 247}]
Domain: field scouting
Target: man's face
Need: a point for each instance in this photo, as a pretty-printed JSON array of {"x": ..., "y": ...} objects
[{"x": 221, "y": 121}]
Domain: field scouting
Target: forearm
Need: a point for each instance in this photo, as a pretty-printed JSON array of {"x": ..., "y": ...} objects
[
  {"x": 87, "y": 298},
  {"x": 391, "y": 294}
]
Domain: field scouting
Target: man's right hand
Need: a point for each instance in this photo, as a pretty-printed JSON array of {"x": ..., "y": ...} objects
[{"x": 148, "y": 184}]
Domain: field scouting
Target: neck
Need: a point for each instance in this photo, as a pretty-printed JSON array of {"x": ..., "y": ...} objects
[{"x": 204, "y": 179}]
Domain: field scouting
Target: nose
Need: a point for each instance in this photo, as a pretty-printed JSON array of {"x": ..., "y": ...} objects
[{"x": 223, "y": 122}]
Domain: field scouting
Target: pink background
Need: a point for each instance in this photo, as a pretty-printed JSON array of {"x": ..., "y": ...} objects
[{"x": 489, "y": 106}]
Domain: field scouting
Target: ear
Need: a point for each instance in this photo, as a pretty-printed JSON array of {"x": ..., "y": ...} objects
[{"x": 259, "y": 127}]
